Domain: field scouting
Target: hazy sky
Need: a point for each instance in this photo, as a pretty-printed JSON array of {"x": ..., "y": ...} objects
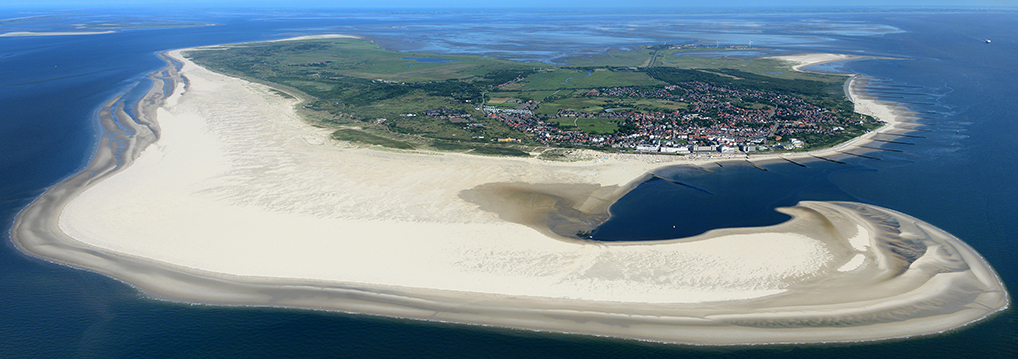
[{"x": 575, "y": 4}]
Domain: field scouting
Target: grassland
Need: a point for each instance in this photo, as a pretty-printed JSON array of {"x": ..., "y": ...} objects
[
  {"x": 600, "y": 104},
  {"x": 566, "y": 78},
  {"x": 588, "y": 125},
  {"x": 359, "y": 136},
  {"x": 761, "y": 66},
  {"x": 622, "y": 57}
]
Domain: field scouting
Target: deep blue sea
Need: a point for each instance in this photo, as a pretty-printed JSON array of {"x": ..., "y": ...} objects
[{"x": 959, "y": 172}]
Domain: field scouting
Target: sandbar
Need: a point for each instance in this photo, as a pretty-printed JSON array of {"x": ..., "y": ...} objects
[
  {"x": 52, "y": 33},
  {"x": 221, "y": 194}
]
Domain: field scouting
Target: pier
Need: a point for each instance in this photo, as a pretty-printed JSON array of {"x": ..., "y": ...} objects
[
  {"x": 894, "y": 142},
  {"x": 682, "y": 183},
  {"x": 827, "y": 159},
  {"x": 796, "y": 163},
  {"x": 882, "y": 149},
  {"x": 902, "y": 135},
  {"x": 756, "y": 165},
  {"x": 858, "y": 155}
]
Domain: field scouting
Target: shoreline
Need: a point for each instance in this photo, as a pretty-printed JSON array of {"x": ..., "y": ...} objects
[
  {"x": 893, "y": 115},
  {"x": 41, "y": 234}
]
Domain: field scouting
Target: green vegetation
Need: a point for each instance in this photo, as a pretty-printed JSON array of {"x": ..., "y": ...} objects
[
  {"x": 625, "y": 57},
  {"x": 501, "y": 151},
  {"x": 588, "y": 125},
  {"x": 600, "y": 104},
  {"x": 738, "y": 79},
  {"x": 820, "y": 89},
  {"x": 567, "y": 78},
  {"x": 352, "y": 135},
  {"x": 353, "y": 82},
  {"x": 818, "y": 140},
  {"x": 427, "y": 101},
  {"x": 282, "y": 94},
  {"x": 479, "y": 149},
  {"x": 763, "y": 66}
]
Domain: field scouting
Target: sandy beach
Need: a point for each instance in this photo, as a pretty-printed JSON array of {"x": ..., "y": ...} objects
[
  {"x": 808, "y": 59},
  {"x": 227, "y": 197}
]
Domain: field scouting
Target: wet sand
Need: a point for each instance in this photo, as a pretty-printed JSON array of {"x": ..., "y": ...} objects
[{"x": 241, "y": 203}]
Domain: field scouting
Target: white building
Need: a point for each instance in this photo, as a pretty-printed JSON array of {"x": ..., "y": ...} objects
[
  {"x": 679, "y": 150},
  {"x": 648, "y": 148}
]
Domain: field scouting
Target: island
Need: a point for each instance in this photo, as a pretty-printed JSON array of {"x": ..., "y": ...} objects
[{"x": 230, "y": 191}]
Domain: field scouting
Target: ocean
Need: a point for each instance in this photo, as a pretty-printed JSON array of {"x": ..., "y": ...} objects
[{"x": 957, "y": 172}]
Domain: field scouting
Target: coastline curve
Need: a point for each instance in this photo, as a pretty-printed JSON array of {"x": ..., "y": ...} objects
[{"x": 913, "y": 279}]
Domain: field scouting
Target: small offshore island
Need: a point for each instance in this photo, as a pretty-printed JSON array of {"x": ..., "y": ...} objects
[{"x": 228, "y": 191}]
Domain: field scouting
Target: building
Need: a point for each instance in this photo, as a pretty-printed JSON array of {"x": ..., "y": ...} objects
[
  {"x": 648, "y": 148},
  {"x": 705, "y": 148},
  {"x": 678, "y": 150}
]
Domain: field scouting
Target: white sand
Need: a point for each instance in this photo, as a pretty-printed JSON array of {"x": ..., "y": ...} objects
[
  {"x": 866, "y": 105},
  {"x": 861, "y": 240},
  {"x": 53, "y": 33},
  {"x": 238, "y": 184},
  {"x": 853, "y": 263},
  {"x": 316, "y": 37},
  {"x": 803, "y": 60},
  {"x": 239, "y": 202}
]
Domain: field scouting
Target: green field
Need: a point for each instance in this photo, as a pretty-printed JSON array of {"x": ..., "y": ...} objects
[
  {"x": 350, "y": 57},
  {"x": 536, "y": 95},
  {"x": 588, "y": 125}
]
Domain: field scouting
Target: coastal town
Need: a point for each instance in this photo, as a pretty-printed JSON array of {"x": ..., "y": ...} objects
[{"x": 715, "y": 119}]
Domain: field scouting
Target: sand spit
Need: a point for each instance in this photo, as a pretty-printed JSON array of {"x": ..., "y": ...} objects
[
  {"x": 53, "y": 33},
  {"x": 317, "y": 37},
  {"x": 896, "y": 119},
  {"x": 240, "y": 203},
  {"x": 808, "y": 59}
]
